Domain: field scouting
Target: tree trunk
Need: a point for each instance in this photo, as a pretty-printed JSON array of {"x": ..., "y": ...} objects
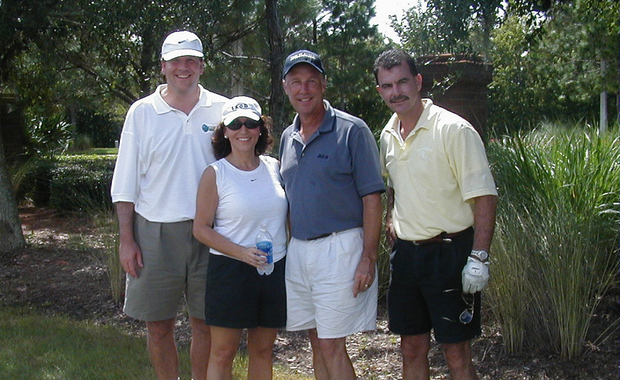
[
  {"x": 11, "y": 236},
  {"x": 276, "y": 47}
]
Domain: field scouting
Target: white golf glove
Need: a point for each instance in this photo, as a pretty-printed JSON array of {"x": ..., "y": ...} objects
[{"x": 475, "y": 275}]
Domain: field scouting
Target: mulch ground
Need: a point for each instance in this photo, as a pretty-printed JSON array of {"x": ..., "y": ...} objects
[{"x": 56, "y": 276}]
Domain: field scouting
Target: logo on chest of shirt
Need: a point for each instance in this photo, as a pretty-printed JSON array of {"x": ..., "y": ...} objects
[
  {"x": 208, "y": 128},
  {"x": 323, "y": 156}
]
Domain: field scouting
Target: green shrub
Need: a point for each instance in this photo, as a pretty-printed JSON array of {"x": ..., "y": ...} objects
[
  {"x": 68, "y": 183},
  {"x": 31, "y": 180},
  {"x": 81, "y": 182}
]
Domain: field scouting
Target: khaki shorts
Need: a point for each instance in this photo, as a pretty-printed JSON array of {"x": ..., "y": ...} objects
[
  {"x": 175, "y": 264},
  {"x": 319, "y": 286}
]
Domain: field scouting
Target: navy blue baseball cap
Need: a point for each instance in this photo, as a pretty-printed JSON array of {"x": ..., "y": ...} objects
[{"x": 303, "y": 56}]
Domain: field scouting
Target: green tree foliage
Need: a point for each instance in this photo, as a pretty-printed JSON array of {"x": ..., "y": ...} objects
[
  {"x": 449, "y": 26},
  {"x": 82, "y": 57},
  {"x": 465, "y": 20},
  {"x": 104, "y": 55},
  {"x": 550, "y": 68},
  {"x": 546, "y": 54},
  {"x": 88, "y": 55},
  {"x": 349, "y": 46}
]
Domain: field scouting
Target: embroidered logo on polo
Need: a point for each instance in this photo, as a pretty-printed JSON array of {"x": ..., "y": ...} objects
[
  {"x": 323, "y": 156},
  {"x": 208, "y": 128}
]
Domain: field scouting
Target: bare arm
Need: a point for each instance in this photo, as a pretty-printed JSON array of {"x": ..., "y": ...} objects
[
  {"x": 365, "y": 273},
  {"x": 485, "y": 208},
  {"x": 475, "y": 274},
  {"x": 129, "y": 253},
  {"x": 207, "y": 200}
]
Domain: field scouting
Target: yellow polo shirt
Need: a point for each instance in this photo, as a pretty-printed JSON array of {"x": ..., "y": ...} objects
[{"x": 435, "y": 172}]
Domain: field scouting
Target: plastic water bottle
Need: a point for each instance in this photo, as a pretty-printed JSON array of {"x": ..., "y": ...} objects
[{"x": 264, "y": 242}]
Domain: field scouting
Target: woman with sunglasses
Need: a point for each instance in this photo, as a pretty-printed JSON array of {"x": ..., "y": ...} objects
[{"x": 237, "y": 194}]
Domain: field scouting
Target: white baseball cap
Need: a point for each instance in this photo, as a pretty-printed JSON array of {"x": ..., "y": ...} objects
[
  {"x": 179, "y": 44},
  {"x": 240, "y": 106}
]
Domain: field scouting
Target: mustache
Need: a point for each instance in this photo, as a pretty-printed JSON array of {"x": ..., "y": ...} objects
[{"x": 399, "y": 98}]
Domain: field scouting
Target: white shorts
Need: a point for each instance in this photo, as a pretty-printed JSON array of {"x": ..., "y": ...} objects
[{"x": 319, "y": 286}]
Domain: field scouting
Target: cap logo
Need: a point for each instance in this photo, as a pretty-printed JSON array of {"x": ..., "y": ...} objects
[
  {"x": 302, "y": 55},
  {"x": 241, "y": 106}
]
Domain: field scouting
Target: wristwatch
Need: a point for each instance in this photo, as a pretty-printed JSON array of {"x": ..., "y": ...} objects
[{"x": 482, "y": 256}]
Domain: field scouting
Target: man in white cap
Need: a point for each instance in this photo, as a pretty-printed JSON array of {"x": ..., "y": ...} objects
[{"x": 165, "y": 146}]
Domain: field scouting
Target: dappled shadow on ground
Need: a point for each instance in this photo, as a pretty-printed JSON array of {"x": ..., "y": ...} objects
[{"x": 58, "y": 274}]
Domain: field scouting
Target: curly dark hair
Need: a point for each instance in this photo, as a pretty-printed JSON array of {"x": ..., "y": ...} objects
[
  {"x": 221, "y": 145},
  {"x": 391, "y": 58}
]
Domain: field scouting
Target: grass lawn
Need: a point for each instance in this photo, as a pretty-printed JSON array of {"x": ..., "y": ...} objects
[{"x": 54, "y": 348}]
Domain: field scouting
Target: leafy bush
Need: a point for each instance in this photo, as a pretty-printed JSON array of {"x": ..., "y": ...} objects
[
  {"x": 80, "y": 182},
  {"x": 48, "y": 135},
  {"x": 31, "y": 180},
  {"x": 68, "y": 183}
]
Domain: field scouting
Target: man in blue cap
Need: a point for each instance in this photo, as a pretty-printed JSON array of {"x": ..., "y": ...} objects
[{"x": 330, "y": 167}]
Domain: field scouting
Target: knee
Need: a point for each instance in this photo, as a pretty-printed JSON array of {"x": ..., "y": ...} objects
[
  {"x": 160, "y": 330},
  {"x": 199, "y": 328},
  {"x": 458, "y": 356},
  {"x": 332, "y": 348},
  {"x": 263, "y": 350},
  {"x": 223, "y": 355},
  {"x": 413, "y": 348}
]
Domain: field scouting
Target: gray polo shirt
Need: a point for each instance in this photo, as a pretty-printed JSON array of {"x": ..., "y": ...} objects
[{"x": 326, "y": 178}]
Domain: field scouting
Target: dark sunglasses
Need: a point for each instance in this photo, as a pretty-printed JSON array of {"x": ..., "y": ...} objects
[
  {"x": 249, "y": 124},
  {"x": 466, "y": 315}
]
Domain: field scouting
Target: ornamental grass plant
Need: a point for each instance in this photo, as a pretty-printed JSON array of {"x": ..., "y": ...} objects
[{"x": 555, "y": 250}]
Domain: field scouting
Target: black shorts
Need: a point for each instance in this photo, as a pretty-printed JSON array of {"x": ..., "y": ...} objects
[
  {"x": 238, "y": 297},
  {"x": 426, "y": 290}
]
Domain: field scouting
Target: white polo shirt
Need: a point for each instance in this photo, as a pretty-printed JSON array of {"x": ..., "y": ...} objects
[
  {"x": 435, "y": 171},
  {"x": 162, "y": 155}
]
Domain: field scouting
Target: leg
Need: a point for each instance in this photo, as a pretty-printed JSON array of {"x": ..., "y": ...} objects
[
  {"x": 224, "y": 346},
  {"x": 260, "y": 350},
  {"x": 332, "y": 356},
  {"x": 459, "y": 358},
  {"x": 319, "y": 365},
  {"x": 414, "y": 349},
  {"x": 162, "y": 349},
  {"x": 199, "y": 350}
]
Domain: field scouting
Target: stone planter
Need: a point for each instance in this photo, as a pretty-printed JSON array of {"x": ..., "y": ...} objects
[{"x": 458, "y": 83}]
